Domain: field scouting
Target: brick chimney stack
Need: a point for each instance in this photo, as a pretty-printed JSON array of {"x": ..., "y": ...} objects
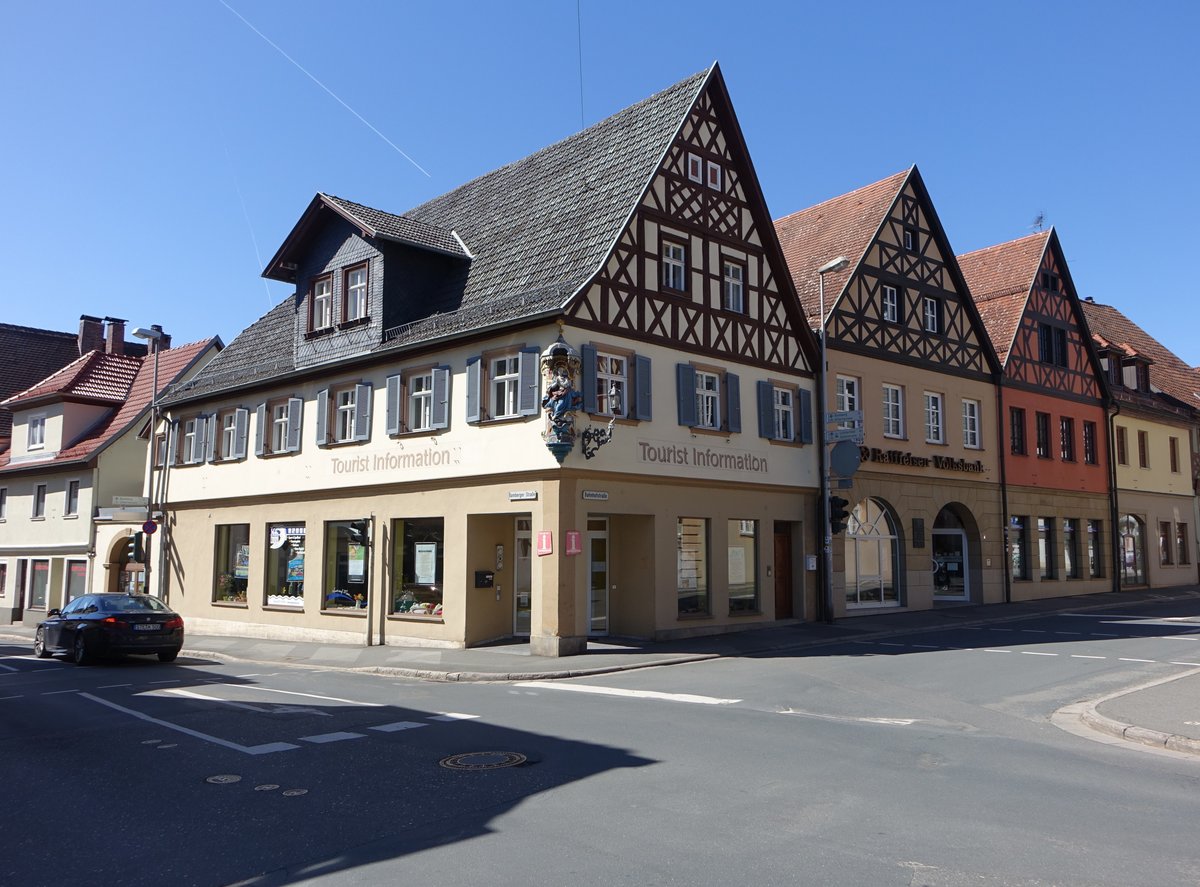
[
  {"x": 162, "y": 343},
  {"x": 91, "y": 334},
  {"x": 115, "y": 338}
]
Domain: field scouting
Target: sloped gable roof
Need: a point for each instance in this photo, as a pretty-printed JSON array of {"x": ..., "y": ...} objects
[
  {"x": 841, "y": 226},
  {"x": 1170, "y": 373},
  {"x": 96, "y": 376},
  {"x": 536, "y": 230},
  {"x": 28, "y": 354},
  {"x": 1000, "y": 279}
]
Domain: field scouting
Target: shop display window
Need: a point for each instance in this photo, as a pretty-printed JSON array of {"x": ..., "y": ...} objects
[
  {"x": 76, "y": 579},
  {"x": 743, "y": 566},
  {"x": 418, "y": 546},
  {"x": 346, "y": 567},
  {"x": 285, "y": 565},
  {"x": 39, "y": 583},
  {"x": 232, "y": 563},
  {"x": 691, "y": 558}
]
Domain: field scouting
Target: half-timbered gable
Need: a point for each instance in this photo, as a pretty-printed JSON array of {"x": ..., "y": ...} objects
[
  {"x": 1028, "y": 302},
  {"x": 697, "y": 265},
  {"x": 902, "y": 298}
]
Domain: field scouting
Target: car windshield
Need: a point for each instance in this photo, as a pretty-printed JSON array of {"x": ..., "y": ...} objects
[{"x": 133, "y": 603}]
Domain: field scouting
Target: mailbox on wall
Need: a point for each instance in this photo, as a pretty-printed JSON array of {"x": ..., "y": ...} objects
[{"x": 484, "y": 578}]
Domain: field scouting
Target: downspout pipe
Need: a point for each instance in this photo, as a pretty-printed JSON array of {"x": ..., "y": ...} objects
[
  {"x": 1112, "y": 496},
  {"x": 1006, "y": 567}
]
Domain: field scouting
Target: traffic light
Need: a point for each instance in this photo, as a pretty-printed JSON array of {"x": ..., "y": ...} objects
[
  {"x": 134, "y": 551},
  {"x": 839, "y": 514},
  {"x": 360, "y": 531}
]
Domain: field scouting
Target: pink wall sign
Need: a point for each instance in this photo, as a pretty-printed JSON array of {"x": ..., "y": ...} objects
[
  {"x": 574, "y": 543},
  {"x": 545, "y": 542}
]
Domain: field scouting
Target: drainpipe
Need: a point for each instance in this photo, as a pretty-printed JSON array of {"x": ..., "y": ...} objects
[
  {"x": 91, "y": 546},
  {"x": 1006, "y": 567},
  {"x": 1112, "y": 496}
]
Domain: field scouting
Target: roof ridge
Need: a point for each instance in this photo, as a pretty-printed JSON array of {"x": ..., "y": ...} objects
[
  {"x": 984, "y": 249},
  {"x": 843, "y": 195},
  {"x": 16, "y": 327}
]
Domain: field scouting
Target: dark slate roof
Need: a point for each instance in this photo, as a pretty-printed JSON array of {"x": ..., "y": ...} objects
[
  {"x": 404, "y": 229},
  {"x": 28, "y": 355},
  {"x": 536, "y": 231}
]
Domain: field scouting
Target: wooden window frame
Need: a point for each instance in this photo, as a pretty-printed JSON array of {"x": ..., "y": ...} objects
[
  {"x": 896, "y": 421},
  {"x": 972, "y": 437},
  {"x": 695, "y": 168},
  {"x": 313, "y": 329},
  {"x": 1066, "y": 438},
  {"x": 1122, "y": 436},
  {"x": 935, "y": 397},
  {"x": 681, "y": 263},
  {"x": 36, "y": 421},
  {"x": 38, "y": 509},
  {"x": 365, "y": 316},
  {"x": 934, "y": 303},
  {"x": 1041, "y": 435},
  {"x": 1090, "y": 454},
  {"x": 1143, "y": 439},
  {"x": 1017, "y": 443},
  {"x": 71, "y": 508},
  {"x": 889, "y": 309},
  {"x": 729, "y": 282},
  {"x": 1173, "y": 452},
  {"x": 714, "y": 175}
]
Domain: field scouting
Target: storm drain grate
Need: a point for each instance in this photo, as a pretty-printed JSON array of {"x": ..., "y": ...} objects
[{"x": 483, "y": 760}]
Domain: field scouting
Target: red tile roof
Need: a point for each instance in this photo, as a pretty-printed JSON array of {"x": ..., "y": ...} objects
[
  {"x": 842, "y": 226},
  {"x": 1169, "y": 373},
  {"x": 134, "y": 402},
  {"x": 95, "y": 376},
  {"x": 1000, "y": 278}
]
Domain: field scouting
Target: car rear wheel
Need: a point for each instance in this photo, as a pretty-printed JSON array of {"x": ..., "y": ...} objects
[
  {"x": 168, "y": 655},
  {"x": 39, "y": 644},
  {"x": 83, "y": 655}
]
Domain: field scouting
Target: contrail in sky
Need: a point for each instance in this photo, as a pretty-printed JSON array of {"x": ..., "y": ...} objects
[{"x": 324, "y": 87}]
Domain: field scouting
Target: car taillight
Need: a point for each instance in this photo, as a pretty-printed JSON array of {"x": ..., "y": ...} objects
[
  {"x": 114, "y": 622},
  {"x": 173, "y": 623}
]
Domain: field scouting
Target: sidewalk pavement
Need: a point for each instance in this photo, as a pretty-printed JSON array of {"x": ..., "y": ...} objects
[{"x": 1164, "y": 713}]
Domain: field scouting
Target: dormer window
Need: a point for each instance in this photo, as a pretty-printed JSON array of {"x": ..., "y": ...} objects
[
  {"x": 355, "y": 306},
  {"x": 321, "y": 310},
  {"x": 37, "y": 432}
]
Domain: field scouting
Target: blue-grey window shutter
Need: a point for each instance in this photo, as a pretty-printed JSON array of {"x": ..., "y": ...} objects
[
  {"x": 241, "y": 430},
  {"x": 529, "y": 395},
  {"x": 323, "y": 417},
  {"x": 172, "y": 441},
  {"x": 686, "y": 393},
  {"x": 260, "y": 429},
  {"x": 588, "y": 354},
  {"x": 766, "y": 409},
  {"x": 641, "y": 389},
  {"x": 208, "y": 442},
  {"x": 362, "y": 411},
  {"x": 295, "y": 418},
  {"x": 733, "y": 402},
  {"x": 441, "y": 398},
  {"x": 804, "y": 427},
  {"x": 474, "y": 369},
  {"x": 395, "y": 409}
]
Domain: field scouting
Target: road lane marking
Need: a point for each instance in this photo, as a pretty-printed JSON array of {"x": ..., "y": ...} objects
[
  {"x": 1196, "y": 664},
  {"x": 632, "y": 694},
  {"x": 172, "y": 681},
  {"x": 928, "y": 646},
  {"x": 58, "y": 692},
  {"x": 1068, "y": 632},
  {"x": 447, "y": 716},
  {"x": 7, "y": 667},
  {"x": 269, "y": 708},
  {"x": 113, "y": 686},
  {"x": 994, "y": 650},
  {"x": 315, "y": 696},
  {"x": 1036, "y": 653},
  {"x": 332, "y": 737},
  {"x": 398, "y": 725},
  {"x": 887, "y": 722},
  {"x": 1085, "y": 656},
  {"x": 264, "y": 749},
  {"x": 1123, "y": 659},
  {"x": 18, "y": 696},
  {"x": 1034, "y": 631}
]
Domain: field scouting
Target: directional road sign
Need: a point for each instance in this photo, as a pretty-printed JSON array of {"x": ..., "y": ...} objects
[
  {"x": 844, "y": 416},
  {"x": 851, "y": 434}
]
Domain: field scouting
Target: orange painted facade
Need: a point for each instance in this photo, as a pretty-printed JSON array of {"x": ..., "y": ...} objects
[{"x": 1053, "y": 471}]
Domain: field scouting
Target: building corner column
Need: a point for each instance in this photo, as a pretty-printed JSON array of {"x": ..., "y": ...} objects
[{"x": 558, "y": 614}]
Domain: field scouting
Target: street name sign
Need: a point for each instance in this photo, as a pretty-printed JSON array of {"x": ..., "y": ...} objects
[{"x": 851, "y": 434}]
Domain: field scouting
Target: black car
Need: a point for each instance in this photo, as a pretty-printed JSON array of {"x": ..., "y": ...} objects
[{"x": 110, "y": 625}]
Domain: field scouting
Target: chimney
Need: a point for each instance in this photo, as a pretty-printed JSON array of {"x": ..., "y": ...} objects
[
  {"x": 91, "y": 334},
  {"x": 115, "y": 340},
  {"x": 162, "y": 343}
]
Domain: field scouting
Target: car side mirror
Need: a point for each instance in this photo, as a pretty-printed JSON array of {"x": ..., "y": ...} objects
[{"x": 55, "y": 612}]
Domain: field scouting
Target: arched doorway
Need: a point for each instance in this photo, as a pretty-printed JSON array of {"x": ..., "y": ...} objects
[
  {"x": 1133, "y": 550},
  {"x": 872, "y": 547},
  {"x": 954, "y": 561},
  {"x": 119, "y": 573}
]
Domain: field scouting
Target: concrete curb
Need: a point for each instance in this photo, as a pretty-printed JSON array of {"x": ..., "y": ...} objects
[{"x": 1087, "y": 714}]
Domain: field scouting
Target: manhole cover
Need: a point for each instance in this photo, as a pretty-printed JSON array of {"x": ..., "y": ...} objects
[
  {"x": 294, "y": 792},
  {"x": 223, "y": 779},
  {"x": 483, "y": 760},
  {"x": 265, "y": 788}
]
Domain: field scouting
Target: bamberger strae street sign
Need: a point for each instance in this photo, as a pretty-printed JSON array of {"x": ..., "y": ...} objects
[
  {"x": 851, "y": 434},
  {"x": 844, "y": 416}
]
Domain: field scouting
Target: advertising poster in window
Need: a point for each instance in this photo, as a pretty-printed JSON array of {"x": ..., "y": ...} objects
[
  {"x": 425, "y": 563},
  {"x": 737, "y": 566},
  {"x": 356, "y": 561},
  {"x": 241, "y": 566}
]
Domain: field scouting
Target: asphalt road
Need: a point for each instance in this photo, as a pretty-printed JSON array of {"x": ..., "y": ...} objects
[{"x": 927, "y": 760}]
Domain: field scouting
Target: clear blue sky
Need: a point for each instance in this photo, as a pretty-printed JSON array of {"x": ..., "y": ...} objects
[{"x": 155, "y": 154}]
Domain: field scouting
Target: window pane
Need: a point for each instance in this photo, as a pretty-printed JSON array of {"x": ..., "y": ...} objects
[
  {"x": 417, "y": 569},
  {"x": 743, "y": 566},
  {"x": 691, "y": 569},
  {"x": 232, "y": 562},
  {"x": 345, "y": 579},
  {"x": 285, "y": 565}
]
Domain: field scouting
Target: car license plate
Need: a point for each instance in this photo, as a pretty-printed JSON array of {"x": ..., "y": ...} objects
[{"x": 150, "y": 626}]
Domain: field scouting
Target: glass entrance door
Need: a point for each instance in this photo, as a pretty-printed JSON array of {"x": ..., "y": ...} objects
[
  {"x": 523, "y": 577},
  {"x": 950, "y": 565},
  {"x": 597, "y": 549}
]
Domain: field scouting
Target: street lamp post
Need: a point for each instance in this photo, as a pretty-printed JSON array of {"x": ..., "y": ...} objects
[
  {"x": 153, "y": 337},
  {"x": 827, "y": 578}
]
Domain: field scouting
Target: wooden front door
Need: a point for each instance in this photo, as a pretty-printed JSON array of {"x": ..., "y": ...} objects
[{"x": 783, "y": 571}]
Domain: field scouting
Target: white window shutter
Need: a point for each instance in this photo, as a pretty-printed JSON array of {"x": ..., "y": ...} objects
[
  {"x": 260, "y": 430},
  {"x": 241, "y": 431},
  {"x": 362, "y": 411},
  {"x": 322, "y": 417},
  {"x": 529, "y": 395},
  {"x": 209, "y": 448},
  {"x": 295, "y": 417},
  {"x": 474, "y": 382},
  {"x": 441, "y": 398},
  {"x": 395, "y": 409}
]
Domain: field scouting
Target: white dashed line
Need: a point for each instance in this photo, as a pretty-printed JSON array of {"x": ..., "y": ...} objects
[
  {"x": 399, "y": 725},
  {"x": 632, "y": 694},
  {"x": 928, "y": 646},
  {"x": 58, "y": 692},
  {"x": 1194, "y": 664},
  {"x": 1084, "y": 656},
  {"x": 1123, "y": 659},
  {"x": 172, "y": 681},
  {"x": 1036, "y": 653},
  {"x": 447, "y": 716},
  {"x": 1068, "y": 632},
  {"x": 7, "y": 667},
  {"x": 332, "y": 737},
  {"x": 113, "y": 686},
  {"x": 993, "y": 650},
  {"x": 18, "y": 696}
]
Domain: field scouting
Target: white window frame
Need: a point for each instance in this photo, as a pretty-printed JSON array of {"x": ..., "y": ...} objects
[
  {"x": 345, "y": 409},
  {"x": 933, "y": 314},
  {"x": 504, "y": 379},
  {"x": 37, "y": 432},
  {"x": 3, "y": 503},
  {"x": 935, "y": 417},
  {"x": 708, "y": 400},
  {"x": 191, "y": 428},
  {"x": 322, "y": 318},
  {"x": 972, "y": 410},
  {"x": 784, "y": 402},
  {"x": 733, "y": 286},
  {"x": 612, "y": 375},
  {"x": 893, "y": 410},
  {"x": 356, "y": 293},
  {"x": 228, "y": 434},
  {"x": 891, "y": 303},
  {"x": 279, "y": 427},
  {"x": 39, "y": 501},
  {"x": 695, "y": 168},
  {"x": 674, "y": 262},
  {"x": 71, "y": 507},
  {"x": 420, "y": 401},
  {"x": 910, "y": 240},
  {"x": 845, "y": 397},
  {"x": 713, "y": 175}
]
